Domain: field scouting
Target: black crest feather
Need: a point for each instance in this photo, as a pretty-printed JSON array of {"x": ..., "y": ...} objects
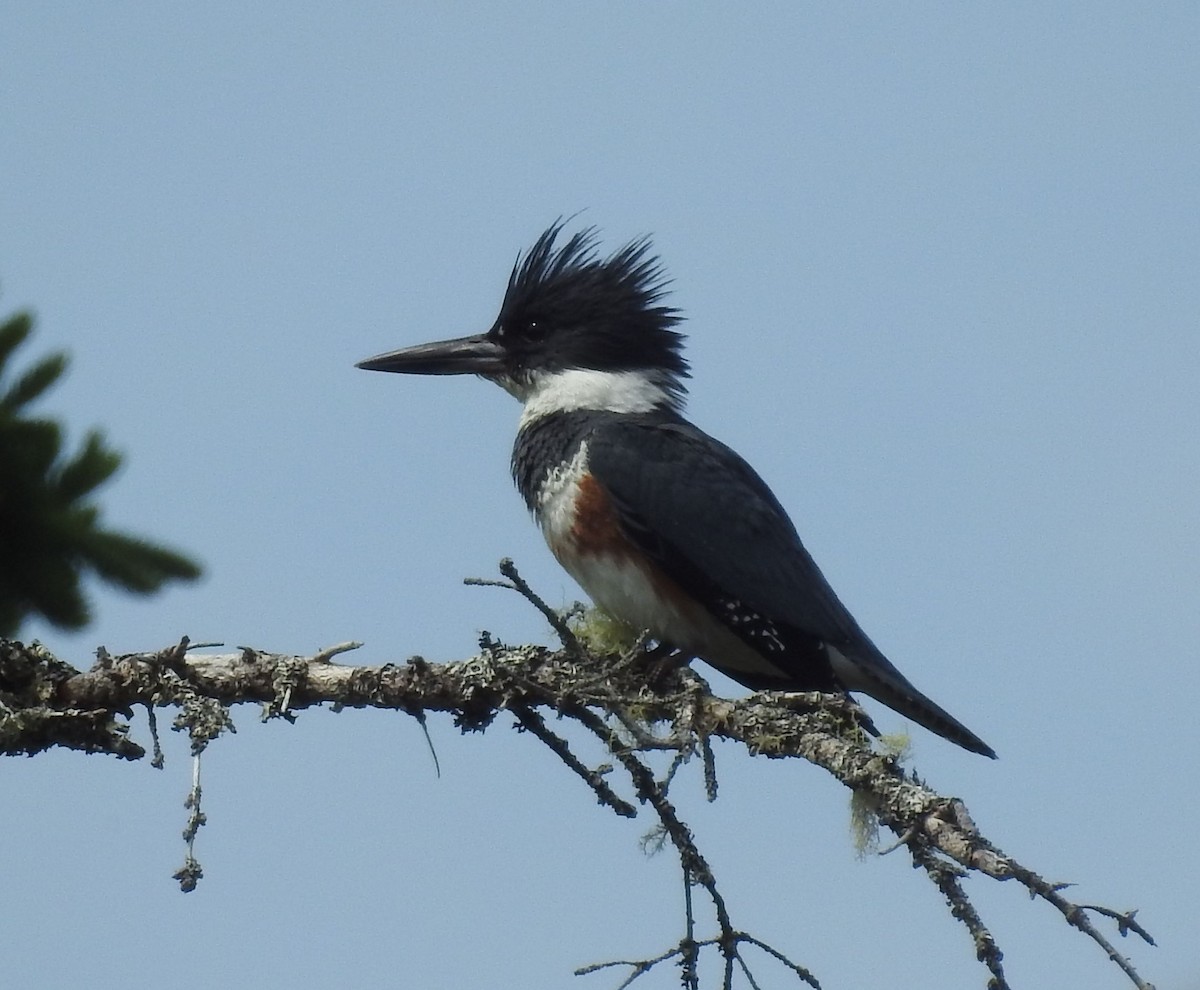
[{"x": 600, "y": 312}]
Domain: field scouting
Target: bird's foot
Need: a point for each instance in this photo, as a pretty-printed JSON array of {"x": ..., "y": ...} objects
[
  {"x": 663, "y": 663},
  {"x": 655, "y": 666}
]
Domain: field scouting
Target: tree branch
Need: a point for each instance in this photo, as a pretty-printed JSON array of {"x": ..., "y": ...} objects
[{"x": 45, "y": 703}]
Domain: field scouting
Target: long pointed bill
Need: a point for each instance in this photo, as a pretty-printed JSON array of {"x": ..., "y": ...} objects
[{"x": 476, "y": 355}]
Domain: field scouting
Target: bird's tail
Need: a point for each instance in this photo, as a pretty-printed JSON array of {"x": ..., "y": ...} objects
[{"x": 885, "y": 683}]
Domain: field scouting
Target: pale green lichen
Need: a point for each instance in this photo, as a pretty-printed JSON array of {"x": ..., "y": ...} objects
[
  {"x": 864, "y": 808},
  {"x": 598, "y": 631},
  {"x": 897, "y": 745},
  {"x": 864, "y": 823}
]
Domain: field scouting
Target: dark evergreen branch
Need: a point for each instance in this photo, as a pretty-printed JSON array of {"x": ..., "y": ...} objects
[{"x": 51, "y": 536}]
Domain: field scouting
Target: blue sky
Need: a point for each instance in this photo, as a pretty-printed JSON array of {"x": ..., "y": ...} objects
[{"x": 939, "y": 265}]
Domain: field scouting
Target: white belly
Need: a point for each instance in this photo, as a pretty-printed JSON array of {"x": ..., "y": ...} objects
[{"x": 625, "y": 589}]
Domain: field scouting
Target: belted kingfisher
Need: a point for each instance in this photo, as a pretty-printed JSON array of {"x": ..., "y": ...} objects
[{"x": 666, "y": 528}]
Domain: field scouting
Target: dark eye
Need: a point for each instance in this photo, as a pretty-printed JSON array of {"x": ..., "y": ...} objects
[{"x": 535, "y": 330}]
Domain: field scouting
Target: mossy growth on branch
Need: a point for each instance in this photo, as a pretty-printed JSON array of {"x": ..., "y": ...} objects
[{"x": 599, "y": 631}]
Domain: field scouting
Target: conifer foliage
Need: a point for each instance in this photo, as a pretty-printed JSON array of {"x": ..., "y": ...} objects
[{"x": 50, "y": 531}]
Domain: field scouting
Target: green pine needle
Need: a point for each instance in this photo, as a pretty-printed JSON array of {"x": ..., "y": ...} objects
[
  {"x": 12, "y": 334},
  {"x": 89, "y": 469},
  {"x": 50, "y": 533},
  {"x": 34, "y": 382}
]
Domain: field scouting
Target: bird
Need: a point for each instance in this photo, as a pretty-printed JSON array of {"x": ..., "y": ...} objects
[{"x": 665, "y": 528}]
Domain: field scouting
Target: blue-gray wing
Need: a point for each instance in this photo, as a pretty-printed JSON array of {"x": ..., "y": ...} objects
[{"x": 713, "y": 526}]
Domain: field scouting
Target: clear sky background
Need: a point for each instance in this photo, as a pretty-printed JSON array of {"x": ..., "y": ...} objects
[{"x": 940, "y": 269}]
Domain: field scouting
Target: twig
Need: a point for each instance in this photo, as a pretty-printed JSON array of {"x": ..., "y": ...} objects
[
  {"x": 1124, "y": 919},
  {"x": 518, "y": 584},
  {"x": 533, "y": 723},
  {"x": 606, "y": 673},
  {"x": 639, "y": 967},
  {"x": 158, "y": 761},
  {"x": 905, "y": 838},
  {"x": 692, "y": 862},
  {"x": 800, "y": 971},
  {"x": 1076, "y": 916},
  {"x": 327, "y": 654},
  {"x": 710, "y": 768},
  {"x": 689, "y": 959},
  {"x": 643, "y": 739},
  {"x": 191, "y": 872},
  {"x": 944, "y": 875},
  {"x": 424, "y": 723}
]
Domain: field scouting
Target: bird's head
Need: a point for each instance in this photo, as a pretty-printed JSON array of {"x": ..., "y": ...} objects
[{"x": 575, "y": 330}]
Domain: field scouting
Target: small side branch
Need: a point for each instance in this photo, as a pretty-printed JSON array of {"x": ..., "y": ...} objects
[
  {"x": 640, "y": 967},
  {"x": 533, "y": 723},
  {"x": 1076, "y": 915},
  {"x": 1126, "y": 921},
  {"x": 518, "y": 584},
  {"x": 191, "y": 872},
  {"x": 696, "y": 870},
  {"x": 945, "y": 877}
]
